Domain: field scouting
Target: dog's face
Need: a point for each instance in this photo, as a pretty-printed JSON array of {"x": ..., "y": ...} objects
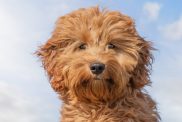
[{"x": 95, "y": 56}]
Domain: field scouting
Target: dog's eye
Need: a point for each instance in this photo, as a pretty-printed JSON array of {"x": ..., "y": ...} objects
[
  {"x": 111, "y": 46},
  {"x": 82, "y": 46}
]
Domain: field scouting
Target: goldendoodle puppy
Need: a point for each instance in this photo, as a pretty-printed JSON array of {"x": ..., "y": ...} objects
[{"x": 99, "y": 64}]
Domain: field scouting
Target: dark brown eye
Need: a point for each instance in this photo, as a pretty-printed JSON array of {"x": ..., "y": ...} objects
[
  {"x": 111, "y": 46},
  {"x": 82, "y": 46}
]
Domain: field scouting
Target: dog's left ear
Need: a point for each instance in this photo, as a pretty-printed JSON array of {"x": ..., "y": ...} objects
[
  {"x": 48, "y": 54},
  {"x": 140, "y": 76}
]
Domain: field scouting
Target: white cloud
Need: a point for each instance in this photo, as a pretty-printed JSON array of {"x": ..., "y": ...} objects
[
  {"x": 151, "y": 10},
  {"x": 16, "y": 106},
  {"x": 22, "y": 26},
  {"x": 167, "y": 92},
  {"x": 9, "y": 38},
  {"x": 173, "y": 31}
]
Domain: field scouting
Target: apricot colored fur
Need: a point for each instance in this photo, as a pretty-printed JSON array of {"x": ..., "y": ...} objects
[{"x": 117, "y": 96}]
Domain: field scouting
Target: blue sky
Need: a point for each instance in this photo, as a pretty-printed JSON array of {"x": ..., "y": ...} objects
[{"x": 25, "y": 94}]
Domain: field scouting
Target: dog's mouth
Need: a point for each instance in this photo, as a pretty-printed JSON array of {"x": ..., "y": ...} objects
[
  {"x": 97, "y": 78},
  {"x": 108, "y": 81}
]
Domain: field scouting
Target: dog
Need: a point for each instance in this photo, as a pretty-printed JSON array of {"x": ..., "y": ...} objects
[{"x": 98, "y": 64}]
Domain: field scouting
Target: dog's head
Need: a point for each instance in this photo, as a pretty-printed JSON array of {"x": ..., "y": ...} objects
[{"x": 96, "y": 55}]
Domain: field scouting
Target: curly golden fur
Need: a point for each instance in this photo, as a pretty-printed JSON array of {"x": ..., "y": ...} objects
[{"x": 91, "y": 35}]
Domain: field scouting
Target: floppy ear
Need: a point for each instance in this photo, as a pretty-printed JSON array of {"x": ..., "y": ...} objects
[
  {"x": 48, "y": 54},
  {"x": 140, "y": 76}
]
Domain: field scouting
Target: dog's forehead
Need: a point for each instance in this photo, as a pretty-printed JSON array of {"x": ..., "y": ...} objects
[{"x": 94, "y": 26}]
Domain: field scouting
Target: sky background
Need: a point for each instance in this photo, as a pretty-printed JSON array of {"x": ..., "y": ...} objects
[{"x": 25, "y": 93}]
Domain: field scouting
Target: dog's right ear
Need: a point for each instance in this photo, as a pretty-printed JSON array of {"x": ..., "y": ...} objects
[
  {"x": 48, "y": 54},
  {"x": 141, "y": 74}
]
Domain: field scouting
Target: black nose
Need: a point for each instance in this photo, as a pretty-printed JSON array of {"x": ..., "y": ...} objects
[{"x": 97, "y": 68}]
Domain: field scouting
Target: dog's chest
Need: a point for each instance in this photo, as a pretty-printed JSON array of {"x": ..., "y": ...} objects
[
  {"x": 100, "y": 114},
  {"x": 103, "y": 113}
]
